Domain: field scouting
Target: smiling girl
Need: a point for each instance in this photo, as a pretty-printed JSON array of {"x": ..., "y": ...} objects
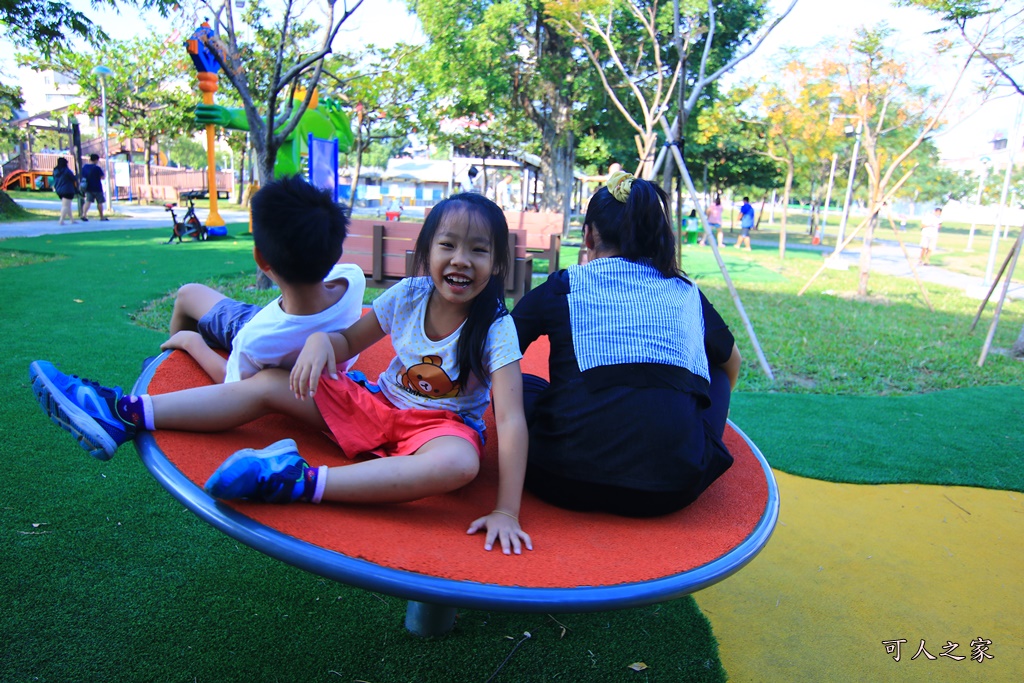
[{"x": 455, "y": 344}]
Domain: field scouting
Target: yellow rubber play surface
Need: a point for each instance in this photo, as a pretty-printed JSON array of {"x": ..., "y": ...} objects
[{"x": 850, "y": 566}]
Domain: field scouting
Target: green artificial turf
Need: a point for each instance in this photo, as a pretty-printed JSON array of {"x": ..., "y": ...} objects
[
  {"x": 107, "y": 578},
  {"x": 962, "y": 437}
]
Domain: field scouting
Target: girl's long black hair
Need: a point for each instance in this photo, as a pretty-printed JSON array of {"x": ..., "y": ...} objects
[
  {"x": 489, "y": 305},
  {"x": 639, "y": 228}
]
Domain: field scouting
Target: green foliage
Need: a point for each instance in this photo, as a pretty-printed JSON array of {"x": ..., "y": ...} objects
[
  {"x": 995, "y": 29},
  {"x": 187, "y": 153},
  {"x": 633, "y": 59},
  {"x": 50, "y": 25},
  {"x": 10, "y": 99},
  {"x": 384, "y": 95},
  {"x": 593, "y": 153},
  {"x": 146, "y": 94},
  {"x": 723, "y": 150},
  {"x": 500, "y": 71}
]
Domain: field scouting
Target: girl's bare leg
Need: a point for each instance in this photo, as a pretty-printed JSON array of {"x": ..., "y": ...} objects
[
  {"x": 223, "y": 406},
  {"x": 192, "y": 302},
  {"x": 439, "y": 466}
]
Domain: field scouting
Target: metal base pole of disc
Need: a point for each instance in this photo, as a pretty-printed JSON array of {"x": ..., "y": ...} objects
[{"x": 424, "y": 619}]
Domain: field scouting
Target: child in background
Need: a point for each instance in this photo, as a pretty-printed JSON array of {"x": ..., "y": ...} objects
[
  {"x": 714, "y": 222},
  {"x": 298, "y": 231},
  {"x": 746, "y": 223},
  {"x": 641, "y": 367},
  {"x": 930, "y": 235},
  {"x": 455, "y": 344}
]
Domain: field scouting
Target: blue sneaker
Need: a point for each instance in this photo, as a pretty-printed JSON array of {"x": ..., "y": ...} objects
[
  {"x": 83, "y": 408},
  {"x": 269, "y": 474}
]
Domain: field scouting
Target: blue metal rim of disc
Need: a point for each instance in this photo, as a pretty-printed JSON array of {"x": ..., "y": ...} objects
[{"x": 442, "y": 591}]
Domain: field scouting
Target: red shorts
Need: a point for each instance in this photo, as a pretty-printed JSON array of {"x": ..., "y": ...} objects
[{"x": 365, "y": 422}]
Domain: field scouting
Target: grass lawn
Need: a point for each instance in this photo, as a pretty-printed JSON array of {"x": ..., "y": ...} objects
[
  {"x": 113, "y": 580},
  {"x": 108, "y": 578}
]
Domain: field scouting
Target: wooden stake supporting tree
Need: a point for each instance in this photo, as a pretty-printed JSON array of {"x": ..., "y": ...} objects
[
  {"x": 853, "y": 233},
  {"x": 685, "y": 174},
  {"x": 1012, "y": 259}
]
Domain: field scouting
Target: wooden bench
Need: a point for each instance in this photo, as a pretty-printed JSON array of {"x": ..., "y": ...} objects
[
  {"x": 384, "y": 251},
  {"x": 543, "y": 233},
  {"x": 161, "y": 194}
]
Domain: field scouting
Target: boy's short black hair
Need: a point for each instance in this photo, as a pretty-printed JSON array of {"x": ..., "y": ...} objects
[
  {"x": 298, "y": 228},
  {"x": 94, "y": 157}
]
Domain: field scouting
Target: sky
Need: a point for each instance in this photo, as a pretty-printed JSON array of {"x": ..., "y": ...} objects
[
  {"x": 384, "y": 22},
  {"x": 971, "y": 128}
]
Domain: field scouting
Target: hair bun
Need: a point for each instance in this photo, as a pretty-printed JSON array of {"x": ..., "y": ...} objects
[{"x": 619, "y": 184}]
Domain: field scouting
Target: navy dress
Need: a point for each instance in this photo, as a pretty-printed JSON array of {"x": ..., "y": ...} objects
[{"x": 633, "y": 417}]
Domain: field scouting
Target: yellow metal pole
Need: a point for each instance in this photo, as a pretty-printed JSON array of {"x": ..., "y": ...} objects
[{"x": 208, "y": 85}]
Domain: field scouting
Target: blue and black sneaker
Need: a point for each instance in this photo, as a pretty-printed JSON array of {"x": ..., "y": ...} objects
[
  {"x": 83, "y": 408},
  {"x": 269, "y": 474}
]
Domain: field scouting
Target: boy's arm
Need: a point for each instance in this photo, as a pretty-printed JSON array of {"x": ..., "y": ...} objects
[
  {"x": 194, "y": 345},
  {"x": 324, "y": 350},
  {"x": 503, "y": 522}
]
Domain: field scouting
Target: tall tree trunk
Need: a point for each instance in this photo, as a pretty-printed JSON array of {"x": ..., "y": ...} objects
[
  {"x": 359, "y": 169},
  {"x": 147, "y": 172},
  {"x": 1017, "y": 350},
  {"x": 785, "y": 207},
  {"x": 865, "y": 254}
]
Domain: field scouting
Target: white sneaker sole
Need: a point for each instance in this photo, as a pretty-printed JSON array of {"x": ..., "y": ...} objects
[{"x": 88, "y": 433}]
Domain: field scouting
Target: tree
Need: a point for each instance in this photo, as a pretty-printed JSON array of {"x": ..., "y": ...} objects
[
  {"x": 146, "y": 94},
  {"x": 10, "y": 100},
  {"x": 723, "y": 145},
  {"x": 503, "y": 61},
  {"x": 894, "y": 115},
  {"x": 187, "y": 153},
  {"x": 599, "y": 27},
  {"x": 49, "y": 25},
  {"x": 800, "y": 133},
  {"x": 993, "y": 30},
  {"x": 275, "y": 75},
  {"x": 382, "y": 94}
]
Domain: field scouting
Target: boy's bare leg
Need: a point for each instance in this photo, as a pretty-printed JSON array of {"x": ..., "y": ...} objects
[
  {"x": 85, "y": 207},
  {"x": 223, "y": 406},
  {"x": 443, "y": 464},
  {"x": 192, "y": 302}
]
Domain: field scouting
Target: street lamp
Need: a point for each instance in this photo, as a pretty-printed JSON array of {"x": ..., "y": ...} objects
[
  {"x": 103, "y": 72},
  {"x": 1013, "y": 140},
  {"x": 985, "y": 161},
  {"x": 849, "y": 180},
  {"x": 833, "y": 105}
]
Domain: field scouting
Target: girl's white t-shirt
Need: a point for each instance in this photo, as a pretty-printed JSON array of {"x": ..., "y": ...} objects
[{"x": 424, "y": 373}]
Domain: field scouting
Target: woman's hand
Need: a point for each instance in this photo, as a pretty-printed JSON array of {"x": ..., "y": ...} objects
[
  {"x": 504, "y": 527},
  {"x": 317, "y": 356}
]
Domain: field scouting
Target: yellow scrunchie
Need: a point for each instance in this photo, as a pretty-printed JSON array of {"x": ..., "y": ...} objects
[{"x": 619, "y": 184}]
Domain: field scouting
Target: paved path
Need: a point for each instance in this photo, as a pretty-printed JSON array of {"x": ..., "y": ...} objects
[
  {"x": 137, "y": 217},
  {"x": 887, "y": 257}
]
